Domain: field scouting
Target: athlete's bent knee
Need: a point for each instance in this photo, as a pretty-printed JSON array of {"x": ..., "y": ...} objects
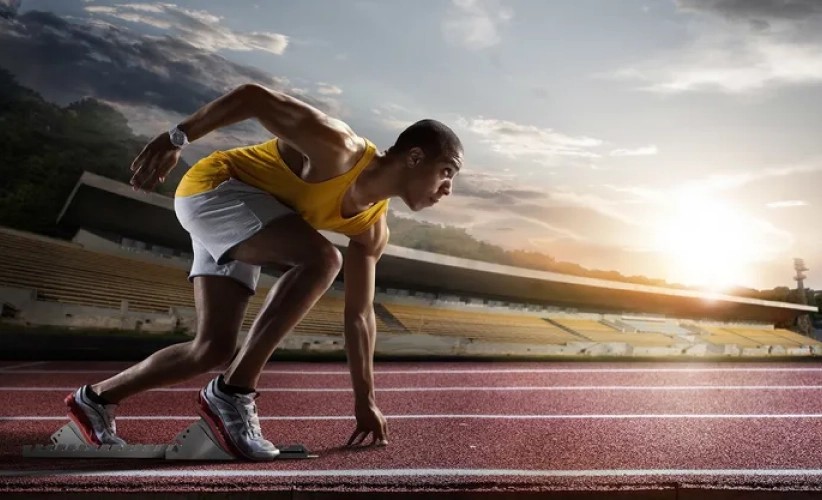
[
  {"x": 324, "y": 262},
  {"x": 327, "y": 258}
]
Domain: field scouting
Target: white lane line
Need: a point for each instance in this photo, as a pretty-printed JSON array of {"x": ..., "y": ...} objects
[
  {"x": 482, "y": 371},
  {"x": 273, "y": 473},
  {"x": 21, "y": 365},
  {"x": 463, "y": 416},
  {"x": 479, "y": 388}
]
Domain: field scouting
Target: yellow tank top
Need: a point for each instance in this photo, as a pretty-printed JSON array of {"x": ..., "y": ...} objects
[{"x": 261, "y": 166}]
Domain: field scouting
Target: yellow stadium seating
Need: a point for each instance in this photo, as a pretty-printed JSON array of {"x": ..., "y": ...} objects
[
  {"x": 723, "y": 336},
  {"x": 795, "y": 337},
  {"x": 67, "y": 273},
  {"x": 598, "y": 332},
  {"x": 755, "y": 337},
  {"x": 478, "y": 324}
]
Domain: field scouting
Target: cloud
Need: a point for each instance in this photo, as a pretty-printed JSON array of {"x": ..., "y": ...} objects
[
  {"x": 638, "y": 192},
  {"x": 518, "y": 141},
  {"x": 328, "y": 89},
  {"x": 494, "y": 189},
  {"x": 786, "y": 204},
  {"x": 724, "y": 181},
  {"x": 742, "y": 46},
  {"x": 475, "y": 24},
  {"x": 197, "y": 27},
  {"x": 491, "y": 200},
  {"x": 643, "y": 151},
  {"x": 755, "y": 10},
  {"x": 730, "y": 65},
  {"x": 396, "y": 117},
  {"x": 395, "y": 123},
  {"x": 568, "y": 226},
  {"x": 9, "y": 8},
  {"x": 66, "y": 61}
]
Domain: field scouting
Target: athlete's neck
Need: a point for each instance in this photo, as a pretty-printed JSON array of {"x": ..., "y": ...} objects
[{"x": 381, "y": 179}]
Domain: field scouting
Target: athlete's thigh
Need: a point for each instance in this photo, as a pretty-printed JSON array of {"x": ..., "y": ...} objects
[
  {"x": 286, "y": 241},
  {"x": 221, "y": 303}
]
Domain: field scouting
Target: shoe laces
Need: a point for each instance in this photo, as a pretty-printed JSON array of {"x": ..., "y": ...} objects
[
  {"x": 109, "y": 418},
  {"x": 249, "y": 405}
]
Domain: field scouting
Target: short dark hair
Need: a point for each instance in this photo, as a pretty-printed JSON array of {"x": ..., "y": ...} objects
[{"x": 433, "y": 137}]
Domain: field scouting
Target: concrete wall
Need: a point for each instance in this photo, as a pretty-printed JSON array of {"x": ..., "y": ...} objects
[{"x": 32, "y": 312}]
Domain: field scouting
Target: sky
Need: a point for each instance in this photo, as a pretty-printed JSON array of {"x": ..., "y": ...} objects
[{"x": 674, "y": 139}]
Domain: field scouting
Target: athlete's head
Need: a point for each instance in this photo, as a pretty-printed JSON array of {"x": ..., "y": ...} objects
[{"x": 431, "y": 154}]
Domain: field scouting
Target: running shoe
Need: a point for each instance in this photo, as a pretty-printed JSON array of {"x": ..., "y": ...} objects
[
  {"x": 96, "y": 421},
  {"x": 233, "y": 420}
]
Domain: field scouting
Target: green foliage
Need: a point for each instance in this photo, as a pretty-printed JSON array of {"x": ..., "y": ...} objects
[{"x": 44, "y": 149}]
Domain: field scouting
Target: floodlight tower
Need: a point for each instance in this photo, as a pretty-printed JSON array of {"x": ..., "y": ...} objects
[
  {"x": 803, "y": 322},
  {"x": 799, "y": 267}
]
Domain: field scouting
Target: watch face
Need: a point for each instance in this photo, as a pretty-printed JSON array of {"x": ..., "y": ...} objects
[{"x": 177, "y": 138}]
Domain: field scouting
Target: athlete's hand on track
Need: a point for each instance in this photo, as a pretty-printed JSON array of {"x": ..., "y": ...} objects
[
  {"x": 154, "y": 163},
  {"x": 369, "y": 420}
]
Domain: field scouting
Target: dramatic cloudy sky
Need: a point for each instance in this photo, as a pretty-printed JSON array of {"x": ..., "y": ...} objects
[{"x": 677, "y": 139}]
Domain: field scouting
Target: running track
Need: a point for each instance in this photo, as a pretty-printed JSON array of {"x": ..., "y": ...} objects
[{"x": 667, "y": 429}]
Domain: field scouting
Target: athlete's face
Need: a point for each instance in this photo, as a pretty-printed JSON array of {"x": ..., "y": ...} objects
[{"x": 430, "y": 180}]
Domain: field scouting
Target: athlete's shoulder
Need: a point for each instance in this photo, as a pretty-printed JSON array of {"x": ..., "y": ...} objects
[
  {"x": 375, "y": 238},
  {"x": 348, "y": 138},
  {"x": 353, "y": 147}
]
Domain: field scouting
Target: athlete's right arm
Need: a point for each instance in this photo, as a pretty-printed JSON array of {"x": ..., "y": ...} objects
[
  {"x": 304, "y": 127},
  {"x": 301, "y": 125}
]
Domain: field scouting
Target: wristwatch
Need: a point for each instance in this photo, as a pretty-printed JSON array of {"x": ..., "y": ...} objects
[{"x": 178, "y": 138}]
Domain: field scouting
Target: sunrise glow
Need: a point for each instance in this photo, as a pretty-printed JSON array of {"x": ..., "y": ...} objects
[{"x": 710, "y": 244}]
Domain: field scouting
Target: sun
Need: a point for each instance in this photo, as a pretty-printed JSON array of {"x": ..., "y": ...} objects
[{"x": 710, "y": 245}]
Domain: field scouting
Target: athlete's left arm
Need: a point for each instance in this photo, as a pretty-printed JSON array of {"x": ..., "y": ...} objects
[{"x": 361, "y": 257}]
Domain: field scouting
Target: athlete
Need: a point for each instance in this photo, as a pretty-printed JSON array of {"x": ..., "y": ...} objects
[{"x": 263, "y": 205}]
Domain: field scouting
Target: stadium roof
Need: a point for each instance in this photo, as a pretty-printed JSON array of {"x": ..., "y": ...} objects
[{"x": 104, "y": 205}]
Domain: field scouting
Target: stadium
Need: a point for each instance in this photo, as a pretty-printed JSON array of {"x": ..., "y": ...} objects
[
  {"x": 667, "y": 140},
  {"x": 427, "y": 304}
]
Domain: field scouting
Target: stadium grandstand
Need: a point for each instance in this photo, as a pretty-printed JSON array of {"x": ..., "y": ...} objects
[{"x": 126, "y": 262}]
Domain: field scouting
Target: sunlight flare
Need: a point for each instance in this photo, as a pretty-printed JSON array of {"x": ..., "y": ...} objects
[{"x": 711, "y": 245}]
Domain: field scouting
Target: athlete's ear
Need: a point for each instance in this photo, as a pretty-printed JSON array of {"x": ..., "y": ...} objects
[{"x": 415, "y": 157}]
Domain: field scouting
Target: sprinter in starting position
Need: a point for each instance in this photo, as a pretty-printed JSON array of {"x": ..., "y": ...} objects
[{"x": 263, "y": 205}]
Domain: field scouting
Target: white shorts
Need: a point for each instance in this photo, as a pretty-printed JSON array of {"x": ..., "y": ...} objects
[{"x": 220, "y": 219}]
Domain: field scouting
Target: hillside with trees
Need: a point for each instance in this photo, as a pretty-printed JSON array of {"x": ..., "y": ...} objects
[
  {"x": 441, "y": 239},
  {"x": 44, "y": 149}
]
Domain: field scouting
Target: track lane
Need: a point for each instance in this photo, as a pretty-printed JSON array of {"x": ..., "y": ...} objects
[
  {"x": 503, "y": 445},
  {"x": 337, "y": 377},
  {"x": 440, "y": 452},
  {"x": 411, "y": 367},
  {"x": 702, "y": 401}
]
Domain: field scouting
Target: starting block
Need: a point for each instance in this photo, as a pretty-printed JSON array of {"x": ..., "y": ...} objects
[{"x": 196, "y": 442}]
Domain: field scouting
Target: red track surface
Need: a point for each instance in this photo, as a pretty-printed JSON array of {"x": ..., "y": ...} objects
[{"x": 600, "y": 426}]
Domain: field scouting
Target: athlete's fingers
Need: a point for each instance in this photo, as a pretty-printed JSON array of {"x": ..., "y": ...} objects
[
  {"x": 150, "y": 184},
  {"x": 139, "y": 159},
  {"x": 145, "y": 172},
  {"x": 383, "y": 434},
  {"x": 361, "y": 435},
  {"x": 169, "y": 163},
  {"x": 353, "y": 435},
  {"x": 364, "y": 437},
  {"x": 164, "y": 170}
]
